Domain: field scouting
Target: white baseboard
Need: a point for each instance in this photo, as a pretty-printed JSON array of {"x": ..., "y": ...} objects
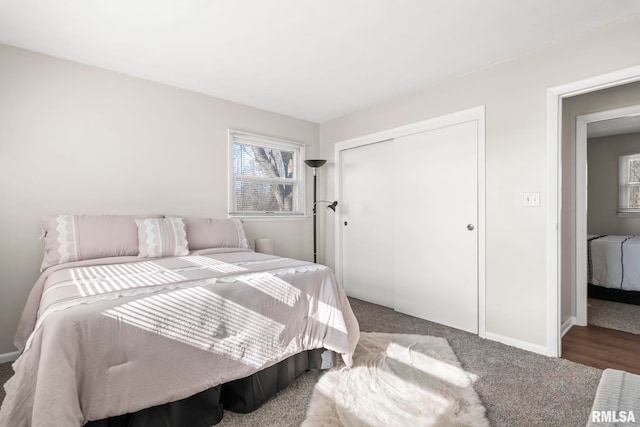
[
  {"x": 9, "y": 357},
  {"x": 568, "y": 324},
  {"x": 540, "y": 349}
]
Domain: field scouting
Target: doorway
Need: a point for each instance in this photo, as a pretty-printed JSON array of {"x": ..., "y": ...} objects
[
  {"x": 603, "y": 334},
  {"x": 561, "y": 298},
  {"x": 601, "y": 124}
]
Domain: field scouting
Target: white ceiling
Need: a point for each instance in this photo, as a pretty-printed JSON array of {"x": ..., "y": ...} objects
[{"x": 311, "y": 59}]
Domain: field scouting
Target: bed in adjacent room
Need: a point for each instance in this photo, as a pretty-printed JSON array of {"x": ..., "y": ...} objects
[
  {"x": 614, "y": 267},
  {"x": 164, "y": 321}
]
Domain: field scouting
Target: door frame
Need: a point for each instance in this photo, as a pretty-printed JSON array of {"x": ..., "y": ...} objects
[
  {"x": 555, "y": 96},
  {"x": 581, "y": 180},
  {"x": 473, "y": 114}
]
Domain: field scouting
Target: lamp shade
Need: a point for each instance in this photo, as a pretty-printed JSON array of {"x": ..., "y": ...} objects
[{"x": 315, "y": 163}]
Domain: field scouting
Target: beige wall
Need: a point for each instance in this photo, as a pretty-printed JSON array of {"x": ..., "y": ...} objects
[
  {"x": 602, "y": 194},
  {"x": 76, "y": 139},
  {"x": 515, "y": 95},
  {"x": 603, "y": 100}
]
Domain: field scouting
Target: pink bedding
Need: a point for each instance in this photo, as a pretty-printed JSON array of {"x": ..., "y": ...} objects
[{"x": 118, "y": 335}]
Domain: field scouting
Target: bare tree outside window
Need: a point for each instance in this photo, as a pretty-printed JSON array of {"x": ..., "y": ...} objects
[
  {"x": 634, "y": 178},
  {"x": 629, "y": 184}
]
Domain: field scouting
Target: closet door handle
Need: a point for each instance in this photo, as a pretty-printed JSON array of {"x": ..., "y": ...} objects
[{"x": 470, "y": 227}]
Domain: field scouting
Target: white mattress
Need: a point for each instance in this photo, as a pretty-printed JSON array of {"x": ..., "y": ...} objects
[{"x": 614, "y": 261}]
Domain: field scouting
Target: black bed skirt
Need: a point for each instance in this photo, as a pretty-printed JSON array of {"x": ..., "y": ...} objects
[
  {"x": 611, "y": 294},
  {"x": 207, "y": 408}
]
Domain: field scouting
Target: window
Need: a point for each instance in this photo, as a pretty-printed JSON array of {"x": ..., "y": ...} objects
[
  {"x": 629, "y": 184},
  {"x": 267, "y": 177}
]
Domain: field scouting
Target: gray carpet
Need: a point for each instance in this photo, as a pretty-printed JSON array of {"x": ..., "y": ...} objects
[
  {"x": 614, "y": 315},
  {"x": 518, "y": 388}
]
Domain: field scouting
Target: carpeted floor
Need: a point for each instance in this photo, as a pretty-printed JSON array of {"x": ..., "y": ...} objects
[
  {"x": 5, "y": 373},
  {"x": 518, "y": 388},
  {"x": 614, "y": 315}
]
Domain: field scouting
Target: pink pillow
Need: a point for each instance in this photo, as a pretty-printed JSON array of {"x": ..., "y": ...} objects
[
  {"x": 205, "y": 233},
  {"x": 162, "y": 237},
  {"x": 78, "y": 237}
]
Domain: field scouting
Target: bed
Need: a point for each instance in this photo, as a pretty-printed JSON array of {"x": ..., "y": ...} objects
[
  {"x": 193, "y": 311},
  {"x": 614, "y": 268}
]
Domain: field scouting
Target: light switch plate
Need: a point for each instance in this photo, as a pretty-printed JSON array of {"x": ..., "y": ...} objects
[{"x": 531, "y": 199}]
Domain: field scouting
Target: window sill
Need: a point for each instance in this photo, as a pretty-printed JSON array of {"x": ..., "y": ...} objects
[
  {"x": 628, "y": 214},
  {"x": 269, "y": 217}
]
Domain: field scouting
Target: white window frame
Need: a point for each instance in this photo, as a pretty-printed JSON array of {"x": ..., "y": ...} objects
[
  {"x": 624, "y": 185},
  {"x": 299, "y": 206}
]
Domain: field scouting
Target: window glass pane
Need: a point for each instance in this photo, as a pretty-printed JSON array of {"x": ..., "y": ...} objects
[
  {"x": 265, "y": 176},
  {"x": 634, "y": 197},
  {"x": 634, "y": 170},
  {"x": 252, "y": 196},
  {"x": 265, "y": 162}
]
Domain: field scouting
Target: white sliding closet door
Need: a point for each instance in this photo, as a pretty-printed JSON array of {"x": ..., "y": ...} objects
[
  {"x": 366, "y": 210},
  {"x": 435, "y": 236}
]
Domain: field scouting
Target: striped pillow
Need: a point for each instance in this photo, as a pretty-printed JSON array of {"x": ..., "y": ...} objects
[{"x": 162, "y": 237}]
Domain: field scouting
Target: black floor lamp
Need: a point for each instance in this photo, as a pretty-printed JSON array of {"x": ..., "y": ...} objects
[{"x": 314, "y": 164}]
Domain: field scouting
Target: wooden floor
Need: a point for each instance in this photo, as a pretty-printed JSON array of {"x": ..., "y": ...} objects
[{"x": 602, "y": 348}]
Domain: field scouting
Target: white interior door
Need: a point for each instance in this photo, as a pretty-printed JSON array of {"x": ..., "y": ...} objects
[
  {"x": 367, "y": 222},
  {"x": 435, "y": 234}
]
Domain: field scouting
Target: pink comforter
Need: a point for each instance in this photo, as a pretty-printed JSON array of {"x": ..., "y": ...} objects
[{"x": 128, "y": 333}]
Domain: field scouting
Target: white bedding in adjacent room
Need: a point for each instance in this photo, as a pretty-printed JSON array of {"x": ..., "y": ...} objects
[{"x": 614, "y": 261}]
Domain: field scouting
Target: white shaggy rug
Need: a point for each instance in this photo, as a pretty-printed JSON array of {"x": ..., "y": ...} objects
[{"x": 397, "y": 380}]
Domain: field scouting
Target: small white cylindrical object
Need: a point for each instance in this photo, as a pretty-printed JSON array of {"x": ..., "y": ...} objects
[{"x": 264, "y": 245}]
